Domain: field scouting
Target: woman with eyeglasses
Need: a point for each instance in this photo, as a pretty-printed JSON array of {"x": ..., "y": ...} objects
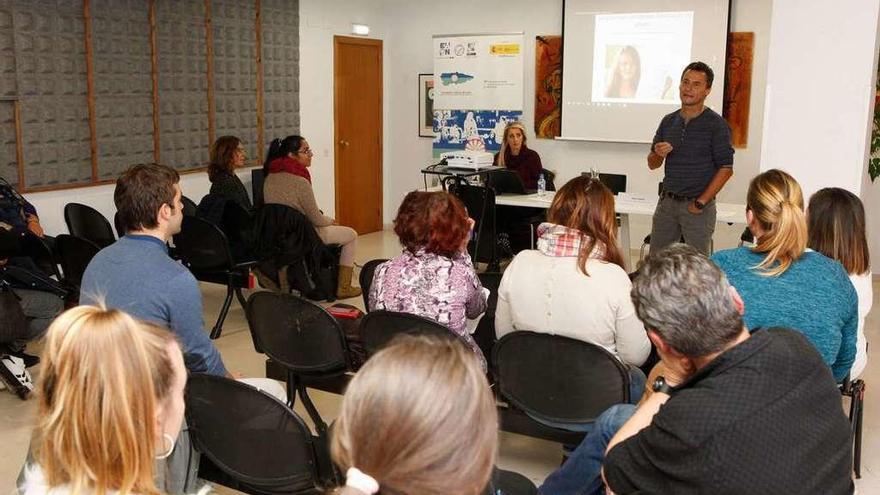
[
  {"x": 288, "y": 182},
  {"x": 575, "y": 284},
  {"x": 227, "y": 154}
]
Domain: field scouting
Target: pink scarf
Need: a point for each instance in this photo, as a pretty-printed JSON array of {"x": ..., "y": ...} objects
[
  {"x": 560, "y": 241},
  {"x": 291, "y": 166}
]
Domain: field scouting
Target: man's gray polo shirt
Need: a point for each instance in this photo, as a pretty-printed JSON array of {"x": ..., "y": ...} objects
[{"x": 699, "y": 148}]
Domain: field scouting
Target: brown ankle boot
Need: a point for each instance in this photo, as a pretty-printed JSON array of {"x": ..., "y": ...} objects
[{"x": 344, "y": 290}]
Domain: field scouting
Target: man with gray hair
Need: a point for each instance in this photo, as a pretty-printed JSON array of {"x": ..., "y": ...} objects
[{"x": 731, "y": 413}]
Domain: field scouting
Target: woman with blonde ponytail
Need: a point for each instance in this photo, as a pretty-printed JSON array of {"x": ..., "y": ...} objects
[
  {"x": 110, "y": 404},
  {"x": 785, "y": 284},
  {"x": 417, "y": 419}
]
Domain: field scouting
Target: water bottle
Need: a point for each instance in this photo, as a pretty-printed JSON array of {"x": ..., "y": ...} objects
[{"x": 542, "y": 185}]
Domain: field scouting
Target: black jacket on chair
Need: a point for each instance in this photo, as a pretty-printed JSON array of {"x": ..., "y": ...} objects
[{"x": 284, "y": 237}]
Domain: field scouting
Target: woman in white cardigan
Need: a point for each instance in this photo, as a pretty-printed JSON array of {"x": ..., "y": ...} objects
[
  {"x": 836, "y": 228},
  {"x": 575, "y": 284}
]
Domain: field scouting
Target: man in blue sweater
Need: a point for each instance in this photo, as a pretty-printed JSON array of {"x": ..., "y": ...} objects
[{"x": 136, "y": 275}]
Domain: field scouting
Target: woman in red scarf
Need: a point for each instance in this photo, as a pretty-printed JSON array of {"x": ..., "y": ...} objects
[{"x": 288, "y": 182}]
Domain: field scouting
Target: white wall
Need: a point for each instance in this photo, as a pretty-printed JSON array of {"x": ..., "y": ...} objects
[
  {"x": 409, "y": 53},
  {"x": 820, "y": 89}
]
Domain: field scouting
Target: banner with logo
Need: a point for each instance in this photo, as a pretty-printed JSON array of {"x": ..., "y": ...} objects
[
  {"x": 478, "y": 89},
  {"x": 478, "y": 71}
]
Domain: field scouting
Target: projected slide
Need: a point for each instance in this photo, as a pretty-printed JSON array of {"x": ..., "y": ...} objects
[{"x": 638, "y": 57}]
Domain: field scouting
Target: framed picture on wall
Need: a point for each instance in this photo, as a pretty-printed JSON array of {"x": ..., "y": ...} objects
[{"x": 426, "y": 105}]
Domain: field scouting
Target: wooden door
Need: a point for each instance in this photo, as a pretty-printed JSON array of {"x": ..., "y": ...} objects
[{"x": 357, "y": 112}]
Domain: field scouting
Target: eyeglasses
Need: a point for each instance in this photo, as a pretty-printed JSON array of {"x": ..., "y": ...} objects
[{"x": 307, "y": 151}]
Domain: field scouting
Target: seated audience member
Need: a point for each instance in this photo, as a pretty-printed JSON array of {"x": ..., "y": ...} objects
[
  {"x": 717, "y": 421},
  {"x": 836, "y": 228},
  {"x": 136, "y": 275},
  {"x": 438, "y": 431},
  {"x": 575, "y": 283},
  {"x": 288, "y": 182},
  {"x": 227, "y": 154},
  {"x": 785, "y": 285},
  {"x": 433, "y": 276},
  {"x": 19, "y": 217},
  {"x": 516, "y": 156},
  {"x": 110, "y": 402}
]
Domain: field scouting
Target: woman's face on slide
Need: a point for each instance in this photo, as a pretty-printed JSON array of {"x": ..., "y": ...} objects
[
  {"x": 626, "y": 66},
  {"x": 304, "y": 155},
  {"x": 514, "y": 140}
]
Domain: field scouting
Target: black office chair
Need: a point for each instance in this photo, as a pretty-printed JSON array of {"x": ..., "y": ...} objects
[
  {"x": 74, "y": 253},
  {"x": 484, "y": 334},
  {"x": 366, "y": 279},
  {"x": 557, "y": 379},
  {"x": 855, "y": 390},
  {"x": 480, "y": 204},
  {"x": 204, "y": 249},
  {"x": 304, "y": 339},
  {"x": 379, "y": 327},
  {"x": 746, "y": 237},
  {"x": 41, "y": 254},
  {"x": 88, "y": 223},
  {"x": 252, "y": 442},
  {"x": 189, "y": 206}
]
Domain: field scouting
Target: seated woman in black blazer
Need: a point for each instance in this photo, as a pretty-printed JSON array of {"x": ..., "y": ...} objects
[{"x": 227, "y": 154}]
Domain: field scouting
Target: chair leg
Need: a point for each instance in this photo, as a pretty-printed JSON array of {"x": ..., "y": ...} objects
[
  {"x": 291, "y": 389},
  {"x": 218, "y": 327},
  {"x": 857, "y": 414},
  {"x": 240, "y": 297},
  {"x": 320, "y": 426}
]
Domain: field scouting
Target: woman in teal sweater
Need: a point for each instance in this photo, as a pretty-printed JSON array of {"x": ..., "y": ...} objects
[{"x": 784, "y": 284}]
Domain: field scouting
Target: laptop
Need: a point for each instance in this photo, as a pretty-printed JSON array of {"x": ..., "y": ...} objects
[
  {"x": 506, "y": 182},
  {"x": 615, "y": 182}
]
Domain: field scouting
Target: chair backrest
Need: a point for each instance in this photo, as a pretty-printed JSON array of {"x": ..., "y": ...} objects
[
  {"x": 366, "y": 279},
  {"x": 41, "y": 254},
  {"x": 480, "y": 204},
  {"x": 251, "y": 436},
  {"x": 296, "y": 333},
  {"x": 202, "y": 246},
  {"x": 88, "y": 223},
  {"x": 557, "y": 378},
  {"x": 615, "y": 182},
  {"x": 380, "y": 326},
  {"x": 257, "y": 179},
  {"x": 75, "y": 253},
  {"x": 189, "y": 206}
]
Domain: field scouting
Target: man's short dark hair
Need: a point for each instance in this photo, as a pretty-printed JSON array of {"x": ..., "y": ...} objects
[
  {"x": 701, "y": 67},
  {"x": 140, "y": 193},
  {"x": 685, "y": 298}
]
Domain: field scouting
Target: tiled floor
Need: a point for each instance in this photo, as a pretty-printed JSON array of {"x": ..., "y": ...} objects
[{"x": 533, "y": 458}]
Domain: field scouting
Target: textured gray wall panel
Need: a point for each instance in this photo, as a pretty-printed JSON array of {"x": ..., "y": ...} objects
[
  {"x": 8, "y": 166},
  {"x": 183, "y": 101},
  {"x": 235, "y": 71},
  {"x": 123, "y": 88},
  {"x": 51, "y": 77},
  {"x": 280, "y": 67}
]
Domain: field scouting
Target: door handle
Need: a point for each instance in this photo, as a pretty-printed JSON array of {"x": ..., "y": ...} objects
[{"x": 343, "y": 142}]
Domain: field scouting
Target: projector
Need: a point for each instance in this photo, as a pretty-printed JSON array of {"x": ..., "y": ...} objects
[{"x": 468, "y": 159}]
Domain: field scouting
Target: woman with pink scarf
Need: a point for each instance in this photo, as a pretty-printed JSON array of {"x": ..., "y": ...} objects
[{"x": 575, "y": 284}]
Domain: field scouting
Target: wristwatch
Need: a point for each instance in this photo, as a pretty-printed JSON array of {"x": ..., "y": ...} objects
[
  {"x": 660, "y": 385},
  {"x": 699, "y": 204}
]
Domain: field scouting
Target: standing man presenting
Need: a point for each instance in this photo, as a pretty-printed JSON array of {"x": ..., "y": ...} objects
[{"x": 694, "y": 142}]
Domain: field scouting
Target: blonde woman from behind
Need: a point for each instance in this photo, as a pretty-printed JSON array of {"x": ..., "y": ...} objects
[
  {"x": 417, "y": 419},
  {"x": 110, "y": 403},
  {"x": 784, "y": 284}
]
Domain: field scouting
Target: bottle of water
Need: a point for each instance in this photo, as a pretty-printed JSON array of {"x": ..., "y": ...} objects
[{"x": 542, "y": 185}]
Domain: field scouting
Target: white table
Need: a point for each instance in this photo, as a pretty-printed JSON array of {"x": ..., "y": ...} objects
[{"x": 729, "y": 213}]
